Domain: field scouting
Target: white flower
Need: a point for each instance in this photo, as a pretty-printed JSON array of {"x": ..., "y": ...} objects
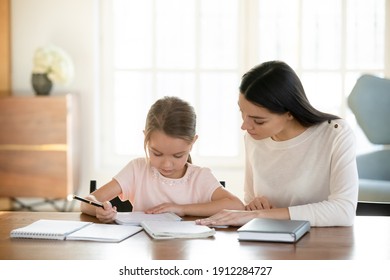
[{"x": 55, "y": 62}]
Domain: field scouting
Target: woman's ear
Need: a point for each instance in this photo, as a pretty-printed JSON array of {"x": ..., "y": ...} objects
[{"x": 289, "y": 116}]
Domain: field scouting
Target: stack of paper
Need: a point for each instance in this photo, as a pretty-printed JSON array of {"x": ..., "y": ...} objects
[{"x": 176, "y": 229}]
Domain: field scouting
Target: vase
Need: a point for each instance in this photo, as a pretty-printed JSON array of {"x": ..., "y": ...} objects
[{"x": 41, "y": 83}]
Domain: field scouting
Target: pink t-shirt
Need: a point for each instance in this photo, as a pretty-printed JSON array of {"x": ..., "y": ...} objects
[{"x": 145, "y": 187}]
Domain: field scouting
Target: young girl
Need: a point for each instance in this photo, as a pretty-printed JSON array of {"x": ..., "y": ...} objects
[{"x": 165, "y": 181}]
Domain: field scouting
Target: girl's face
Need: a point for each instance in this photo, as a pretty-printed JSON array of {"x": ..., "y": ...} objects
[
  {"x": 260, "y": 123},
  {"x": 168, "y": 155}
]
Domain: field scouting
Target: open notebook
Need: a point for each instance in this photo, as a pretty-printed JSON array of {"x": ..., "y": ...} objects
[
  {"x": 136, "y": 218},
  {"x": 75, "y": 230},
  {"x": 104, "y": 233}
]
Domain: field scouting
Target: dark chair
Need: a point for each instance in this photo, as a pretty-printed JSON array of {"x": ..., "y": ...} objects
[
  {"x": 121, "y": 206},
  {"x": 370, "y": 102}
]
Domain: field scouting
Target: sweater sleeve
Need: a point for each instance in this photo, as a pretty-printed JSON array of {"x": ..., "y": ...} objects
[{"x": 340, "y": 207}]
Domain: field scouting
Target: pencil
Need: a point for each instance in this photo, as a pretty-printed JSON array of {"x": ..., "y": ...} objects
[{"x": 97, "y": 204}]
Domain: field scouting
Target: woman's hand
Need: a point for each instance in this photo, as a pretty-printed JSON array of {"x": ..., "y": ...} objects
[
  {"x": 106, "y": 214},
  {"x": 259, "y": 203},
  {"x": 167, "y": 207},
  {"x": 229, "y": 218}
]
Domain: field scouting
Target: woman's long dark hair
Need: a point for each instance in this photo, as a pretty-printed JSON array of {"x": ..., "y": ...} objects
[{"x": 274, "y": 85}]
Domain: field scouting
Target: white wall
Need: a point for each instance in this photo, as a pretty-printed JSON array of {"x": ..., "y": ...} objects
[{"x": 74, "y": 26}]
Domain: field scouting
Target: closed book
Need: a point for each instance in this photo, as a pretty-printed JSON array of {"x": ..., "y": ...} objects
[
  {"x": 273, "y": 230},
  {"x": 176, "y": 229}
]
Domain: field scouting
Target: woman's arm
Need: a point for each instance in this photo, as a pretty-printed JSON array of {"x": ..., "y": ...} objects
[
  {"x": 239, "y": 218},
  {"x": 339, "y": 209}
]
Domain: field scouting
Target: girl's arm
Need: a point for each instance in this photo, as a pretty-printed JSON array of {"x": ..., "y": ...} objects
[
  {"x": 221, "y": 199},
  {"x": 103, "y": 194}
]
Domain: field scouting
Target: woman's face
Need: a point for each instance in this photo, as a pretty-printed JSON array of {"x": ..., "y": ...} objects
[
  {"x": 168, "y": 155},
  {"x": 260, "y": 123}
]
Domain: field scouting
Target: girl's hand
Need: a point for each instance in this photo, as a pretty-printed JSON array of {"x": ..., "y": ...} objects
[
  {"x": 228, "y": 218},
  {"x": 259, "y": 203},
  {"x": 166, "y": 207},
  {"x": 106, "y": 214}
]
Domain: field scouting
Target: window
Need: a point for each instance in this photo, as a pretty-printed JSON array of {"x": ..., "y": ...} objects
[
  {"x": 329, "y": 43},
  {"x": 173, "y": 47},
  {"x": 198, "y": 50}
]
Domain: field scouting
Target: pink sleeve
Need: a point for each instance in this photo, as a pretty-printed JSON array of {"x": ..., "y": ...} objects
[
  {"x": 126, "y": 179},
  {"x": 205, "y": 183}
]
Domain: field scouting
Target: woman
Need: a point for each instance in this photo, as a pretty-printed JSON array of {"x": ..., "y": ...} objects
[{"x": 300, "y": 162}]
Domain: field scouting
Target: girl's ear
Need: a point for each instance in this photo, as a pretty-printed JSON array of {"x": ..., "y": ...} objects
[
  {"x": 195, "y": 138},
  {"x": 193, "y": 141}
]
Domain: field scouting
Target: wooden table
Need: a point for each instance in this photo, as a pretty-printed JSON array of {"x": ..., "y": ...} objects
[{"x": 368, "y": 239}]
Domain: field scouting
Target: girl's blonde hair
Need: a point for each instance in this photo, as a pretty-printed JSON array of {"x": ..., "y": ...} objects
[{"x": 173, "y": 116}]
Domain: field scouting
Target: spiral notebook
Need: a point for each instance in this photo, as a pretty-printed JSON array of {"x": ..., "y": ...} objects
[
  {"x": 75, "y": 230},
  {"x": 48, "y": 229}
]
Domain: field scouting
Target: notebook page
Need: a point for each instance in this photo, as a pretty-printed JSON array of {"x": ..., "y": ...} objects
[
  {"x": 135, "y": 218},
  {"x": 48, "y": 229},
  {"x": 104, "y": 233}
]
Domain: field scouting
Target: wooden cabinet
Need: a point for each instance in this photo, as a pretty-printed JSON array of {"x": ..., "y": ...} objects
[
  {"x": 38, "y": 141},
  {"x": 5, "y": 46}
]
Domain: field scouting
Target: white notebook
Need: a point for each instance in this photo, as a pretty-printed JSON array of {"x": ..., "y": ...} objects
[
  {"x": 104, "y": 233},
  {"x": 176, "y": 229},
  {"x": 48, "y": 229},
  {"x": 135, "y": 218},
  {"x": 75, "y": 230}
]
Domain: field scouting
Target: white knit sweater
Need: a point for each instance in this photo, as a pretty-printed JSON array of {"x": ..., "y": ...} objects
[{"x": 313, "y": 174}]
